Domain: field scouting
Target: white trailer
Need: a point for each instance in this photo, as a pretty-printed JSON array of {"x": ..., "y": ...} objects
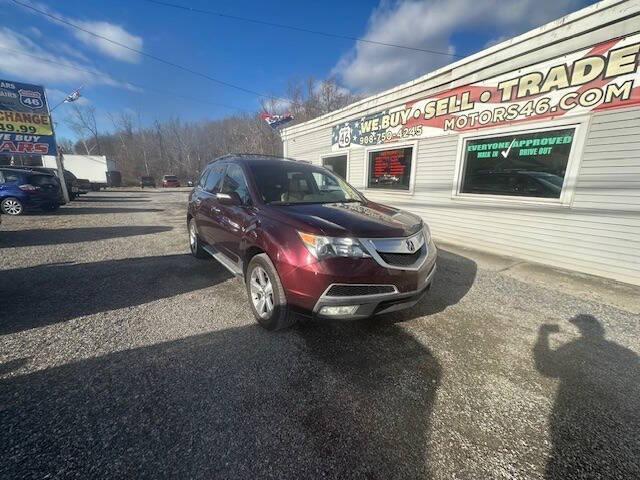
[{"x": 91, "y": 167}]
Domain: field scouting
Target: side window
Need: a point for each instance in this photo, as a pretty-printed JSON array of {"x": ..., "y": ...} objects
[
  {"x": 203, "y": 178},
  {"x": 212, "y": 184},
  {"x": 11, "y": 177},
  {"x": 235, "y": 181}
]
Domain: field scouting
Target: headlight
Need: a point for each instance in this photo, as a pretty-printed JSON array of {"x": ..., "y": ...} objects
[
  {"x": 427, "y": 233},
  {"x": 323, "y": 247}
]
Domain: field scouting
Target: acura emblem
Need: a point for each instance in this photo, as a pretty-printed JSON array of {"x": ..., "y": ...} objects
[{"x": 410, "y": 246}]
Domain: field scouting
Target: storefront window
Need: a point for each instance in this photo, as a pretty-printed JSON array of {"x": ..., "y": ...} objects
[
  {"x": 390, "y": 169},
  {"x": 521, "y": 164}
]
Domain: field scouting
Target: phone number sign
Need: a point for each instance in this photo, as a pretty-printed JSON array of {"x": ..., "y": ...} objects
[{"x": 25, "y": 123}]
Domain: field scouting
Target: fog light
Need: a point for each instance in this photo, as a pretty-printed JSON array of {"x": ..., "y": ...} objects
[{"x": 338, "y": 310}]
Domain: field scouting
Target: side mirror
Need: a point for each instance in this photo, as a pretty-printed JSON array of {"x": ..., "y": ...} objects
[{"x": 231, "y": 198}]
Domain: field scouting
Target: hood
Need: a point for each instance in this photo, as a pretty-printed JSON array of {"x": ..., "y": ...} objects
[{"x": 348, "y": 219}]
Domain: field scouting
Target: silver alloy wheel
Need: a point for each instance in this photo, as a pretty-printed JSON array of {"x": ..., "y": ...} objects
[
  {"x": 193, "y": 236},
  {"x": 261, "y": 292},
  {"x": 12, "y": 207}
]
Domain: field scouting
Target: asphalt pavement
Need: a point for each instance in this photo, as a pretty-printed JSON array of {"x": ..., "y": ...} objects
[{"x": 121, "y": 356}]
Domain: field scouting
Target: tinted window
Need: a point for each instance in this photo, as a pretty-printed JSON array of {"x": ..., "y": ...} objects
[
  {"x": 522, "y": 164},
  {"x": 213, "y": 180},
  {"x": 43, "y": 180},
  {"x": 170, "y": 177},
  {"x": 11, "y": 177},
  {"x": 234, "y": 181},
  {"x": 292, "y": 182},
  {"x": 390, "y": 169}
]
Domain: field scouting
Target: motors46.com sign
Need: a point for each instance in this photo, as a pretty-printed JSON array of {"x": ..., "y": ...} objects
[{"x": 601, "y": 77}]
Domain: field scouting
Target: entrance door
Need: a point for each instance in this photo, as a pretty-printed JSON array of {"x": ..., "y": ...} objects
[{"x": 337, "y": 165}]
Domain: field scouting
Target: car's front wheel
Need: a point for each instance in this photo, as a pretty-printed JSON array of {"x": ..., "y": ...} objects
[
  {"x": 11, "y": 206},
  {"x": 266, "y": 294},
  {"x": 195, "y": 245}
]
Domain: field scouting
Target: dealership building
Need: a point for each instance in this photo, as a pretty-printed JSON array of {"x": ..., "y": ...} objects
[{"x": 530, "y": 148}]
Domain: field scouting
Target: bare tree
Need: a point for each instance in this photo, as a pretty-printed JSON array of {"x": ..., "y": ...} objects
[{"x": 83, "y": 122}]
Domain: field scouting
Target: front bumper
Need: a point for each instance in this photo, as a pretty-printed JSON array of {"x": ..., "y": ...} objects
[{"x": 370, "y": 305}]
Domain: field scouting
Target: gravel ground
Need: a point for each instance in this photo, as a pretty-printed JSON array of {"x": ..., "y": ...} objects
[{"x": 123, "y": 357}]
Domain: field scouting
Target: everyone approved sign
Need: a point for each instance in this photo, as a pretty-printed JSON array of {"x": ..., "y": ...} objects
[{"x": 25, "y": 123}]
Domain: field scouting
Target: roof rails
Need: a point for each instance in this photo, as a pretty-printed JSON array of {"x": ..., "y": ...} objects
[{"x": 251, "y": 155}]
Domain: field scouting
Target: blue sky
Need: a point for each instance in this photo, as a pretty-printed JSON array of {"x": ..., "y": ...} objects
[{"x": 257, "y": 57}]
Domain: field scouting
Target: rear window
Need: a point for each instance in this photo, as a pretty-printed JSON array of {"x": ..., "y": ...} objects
[
  {"x": 41, "y": 180},
  {"x": 170, "y": 177}
]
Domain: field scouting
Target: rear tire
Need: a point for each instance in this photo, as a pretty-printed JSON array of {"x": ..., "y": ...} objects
[
  {"x": 266, "y": 295},
  {"x": 12, "y": 206},
  {"x": 195, "y": 245}
]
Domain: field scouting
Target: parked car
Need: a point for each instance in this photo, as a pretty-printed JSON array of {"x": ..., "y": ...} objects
[
  {"x": 22, "y": 190},
  {"x": 70, "y": 179},
  {"x": 170, "y": 181},
  {"x": 305, "y": 240},
  {"x": 84, "y": 186},
  {"x": 147, "y": 182}
]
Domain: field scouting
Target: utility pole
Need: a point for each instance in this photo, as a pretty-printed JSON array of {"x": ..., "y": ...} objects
[{"x": 59, "y": 160}]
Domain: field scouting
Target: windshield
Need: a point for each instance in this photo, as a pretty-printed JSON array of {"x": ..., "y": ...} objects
[{"x": 289, "y": 183}]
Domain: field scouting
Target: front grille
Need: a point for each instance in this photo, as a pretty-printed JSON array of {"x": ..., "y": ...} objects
[
  {"x": 402, "y": 259},
  {"x": 358, "y": 290}
]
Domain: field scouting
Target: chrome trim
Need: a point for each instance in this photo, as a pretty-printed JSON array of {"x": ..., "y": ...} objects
[
  {"x": 373, "y": 300},
  {"x": 395, "y": 290},
  {"x": 396, "y": 245},
  {"x": 223, "y": 260}
]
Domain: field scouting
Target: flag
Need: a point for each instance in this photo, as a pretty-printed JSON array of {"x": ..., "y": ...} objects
[
  {"x": 73, "y": 96},
  {"x": 276, "y": 121}
]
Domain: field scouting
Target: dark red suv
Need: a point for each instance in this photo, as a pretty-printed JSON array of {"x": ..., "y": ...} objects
[{"x": 305, "y": 240}]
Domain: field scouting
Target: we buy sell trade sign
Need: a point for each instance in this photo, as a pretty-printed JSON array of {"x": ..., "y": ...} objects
[{"x": 25, "y": 123}]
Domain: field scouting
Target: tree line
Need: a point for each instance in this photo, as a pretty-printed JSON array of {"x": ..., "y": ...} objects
[{"x": 182, "y": 147}]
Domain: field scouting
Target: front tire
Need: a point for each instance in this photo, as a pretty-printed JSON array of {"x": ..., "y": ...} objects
[
  {"x": 195, "y": 245},
  {"x": 12, "y": 206},
  {"x": 266, "y": 295}
]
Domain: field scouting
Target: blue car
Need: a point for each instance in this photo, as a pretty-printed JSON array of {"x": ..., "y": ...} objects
[{"x": 22, "y": 190}]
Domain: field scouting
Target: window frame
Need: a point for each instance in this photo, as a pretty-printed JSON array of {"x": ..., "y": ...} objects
[
  {"x": 346, "y": 153},
  {"x": 412, "y": 173},
  {"x": 567, "y": 193}
]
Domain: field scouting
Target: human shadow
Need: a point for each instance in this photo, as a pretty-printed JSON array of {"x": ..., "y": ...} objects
[
  {"x": 37, "y": 237},
  {"x": 595, "y": 422},
  {"x": 241, "y": 403},
  {"x": 32, "y": 297}
]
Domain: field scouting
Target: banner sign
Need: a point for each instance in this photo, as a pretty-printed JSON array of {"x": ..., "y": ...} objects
[
  {"x": 25, "y": 123},
  {"x": 602, "y": 77}
]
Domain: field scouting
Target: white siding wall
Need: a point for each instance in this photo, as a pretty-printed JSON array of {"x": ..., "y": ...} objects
[{"x": 598, "y": 234}]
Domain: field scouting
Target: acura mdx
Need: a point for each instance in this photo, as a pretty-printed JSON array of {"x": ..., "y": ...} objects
[{"x": 304, "y": 240}]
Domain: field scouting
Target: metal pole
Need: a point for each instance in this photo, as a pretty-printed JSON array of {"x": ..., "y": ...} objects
[{"x": 59, "y": 164}]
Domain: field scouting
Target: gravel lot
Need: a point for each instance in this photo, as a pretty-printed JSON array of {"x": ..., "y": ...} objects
[{"x": 123, "y": 357}]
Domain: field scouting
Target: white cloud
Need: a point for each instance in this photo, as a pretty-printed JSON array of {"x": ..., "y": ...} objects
[
  {"x": 108, "y": 30},
  {"x": 430, "y": 25},
  {"x": 115, "y": 33},
  {"x": 48, "y": 68}
]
